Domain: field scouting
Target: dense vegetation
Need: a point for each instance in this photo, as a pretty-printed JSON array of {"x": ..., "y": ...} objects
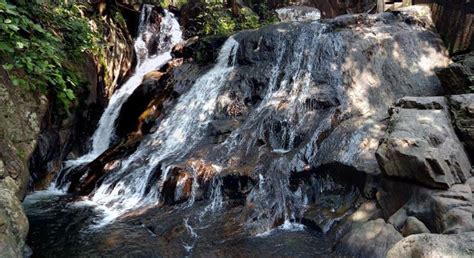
[
  {"x": 222, "y": 17},
  {"x": 42, "y": 40},
  {"x": 38, "y": 40},
  {"x": 218, "y": 18}
]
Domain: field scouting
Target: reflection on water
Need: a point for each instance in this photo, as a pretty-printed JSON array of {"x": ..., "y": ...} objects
[{"x": 59, "y": 228}]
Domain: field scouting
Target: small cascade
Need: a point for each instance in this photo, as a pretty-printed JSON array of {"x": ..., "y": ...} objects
[
  {"x": 298, "y": 13},
  {"x": 281, "y": 118},
  {"x": 175, "y": 137},
  {"x": 216, "y": 198},
  {"x": 163, "y": 33},
  {"x": 289, "y": 94},
  {"x": 194, "y": 236},
  {"x": 194, "y": 188},
  {"x": 275, "y": 202},
  {"x": 169, "y": 35},
  {"x": 153, "y": 49}
]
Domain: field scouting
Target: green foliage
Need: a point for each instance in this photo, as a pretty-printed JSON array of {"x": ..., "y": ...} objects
[
  {"x": 176, "y": 3},
  {"x": 38, "y": 40},
  {"x": 216, "y": 19},
  {"x": 263, "y": 11},
  {"x": 249, "y": 20}
]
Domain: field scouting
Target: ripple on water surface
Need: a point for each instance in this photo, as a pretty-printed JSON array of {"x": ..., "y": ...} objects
[{"x": 59, "y": 228}]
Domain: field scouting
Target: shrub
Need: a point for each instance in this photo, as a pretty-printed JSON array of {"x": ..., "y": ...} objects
[
  {"x": 216, "y": 19},
  {"x": 38, "y": 43}
]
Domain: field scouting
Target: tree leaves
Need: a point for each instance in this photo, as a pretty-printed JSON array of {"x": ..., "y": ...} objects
[
  {"x": 38, "y": 39},
  {"x": 6, "y": 47},
  {"x": 215, "y": 18},
  {"x": 7, "y": 67}
]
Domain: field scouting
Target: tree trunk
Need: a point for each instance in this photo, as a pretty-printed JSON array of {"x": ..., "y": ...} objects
[
  {"x": 380, "y": 6},
  {"x": 234, "y": 6}
]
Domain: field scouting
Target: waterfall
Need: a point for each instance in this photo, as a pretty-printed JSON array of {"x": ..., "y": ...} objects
[
  {"x": 139, "y": 178},
  {"x": 133, "y": 184},
  {"x": 295, "y": 65},
  {"x": 270, "y": 149},
  {"x": 280, "y": 118},
  {"x": 175, "y": 137},
  {"x": 165, "y": 37}
]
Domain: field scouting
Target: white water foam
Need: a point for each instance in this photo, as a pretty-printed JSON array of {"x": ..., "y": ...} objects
[
  {"x": 169, "y": 35},
  {"x": 105, "y": 131},
  {"x": 182, "y": 129}
]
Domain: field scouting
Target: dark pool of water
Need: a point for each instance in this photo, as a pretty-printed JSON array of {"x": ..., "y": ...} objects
[{"x": 61, "y": 228}]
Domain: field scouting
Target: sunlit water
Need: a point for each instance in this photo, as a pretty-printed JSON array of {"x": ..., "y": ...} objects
[{"x": 170, "y": 34}]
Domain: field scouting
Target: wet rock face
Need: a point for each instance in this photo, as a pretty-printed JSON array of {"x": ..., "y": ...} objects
[
  {"x": 432, "y": 245},
  {"x": 152, "y": 24},
  {"x": 146, "y": 103},
  {"x": 421, "y": 145},
  {"x": 290, "y": 97}
]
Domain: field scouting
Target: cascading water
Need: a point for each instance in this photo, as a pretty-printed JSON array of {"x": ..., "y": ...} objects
[
  {"x": 263, "y": 141},
  {"x": 176, "y": 135},
  {"x": 282, "y": 117},
  {"x": 133, "y": 184},
  {"x": 164, "y": 37}
]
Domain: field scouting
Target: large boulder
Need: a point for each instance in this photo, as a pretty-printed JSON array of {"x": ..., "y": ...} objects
[
  {"x": 21, "y": 112},
  {"x": 414, "y": 226},
  {"x": 462, "y": 108},
  {"x": 458, "y": 77},
  {"x": 13, "y": 222},
  {"x": 372, "y": 239},
  {"x": 441, "y": 211},
  {"x": 339, "y": 113},
  {"x": 422, "y": 146},
  {"x": 433, "y": 245}
]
